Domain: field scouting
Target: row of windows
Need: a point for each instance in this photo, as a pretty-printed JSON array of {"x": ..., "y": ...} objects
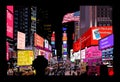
[{"x": 103, "y": 24}]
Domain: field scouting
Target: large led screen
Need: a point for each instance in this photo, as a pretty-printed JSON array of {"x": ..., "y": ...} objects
[{"x": 9, "y": 21}]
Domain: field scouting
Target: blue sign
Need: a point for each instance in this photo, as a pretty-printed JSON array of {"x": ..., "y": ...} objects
[
  {"x": 64, "y": 28},
  {"x": 106, "y": 42}
]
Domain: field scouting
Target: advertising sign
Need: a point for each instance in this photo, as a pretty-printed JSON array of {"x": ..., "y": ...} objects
[
  {"x": 107, "y": 54},
  {"x": 25, "y": 57},
  {"x": 10, "y": 17},
  {"x": 64, "y": 45},
  {"x": 106, "y": 42},
  {"x": 64, "y": 38},
  {"x": 82, "y": 53},
  {"x": 46, "y": 44},
  {"x": 64, "y": 28},
  {"x": 64, "y": 34},
  {"x": 96, "y": 34},
  {"x": 92, "y": 35},
  {"x": 76, "y": 46},
  {"x": 52, "y": 42},
  {"x": 103, "y": 30},
  {"x": 72, "y": 57},
  {"x": 77, "y": 55},
  {"x": 53, "y": 39},
  {"x": 93, "y": 52},
  {"x": 38, "y": 40},
  {"x": 20, "y": 40},
  {"x": 64, "y": 42}
]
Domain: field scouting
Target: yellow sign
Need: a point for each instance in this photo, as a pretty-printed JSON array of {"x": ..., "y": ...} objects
[{"x": 25, "y": 57}]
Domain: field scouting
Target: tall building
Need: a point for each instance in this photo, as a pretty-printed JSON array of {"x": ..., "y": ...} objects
[
  {"x": 44, "y": 27},
  {"x": 94, "y": 16},
  {"x": 47, "y": 31},
  {"x": 24, "y": 21}
]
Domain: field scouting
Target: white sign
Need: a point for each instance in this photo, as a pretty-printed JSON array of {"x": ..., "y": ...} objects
[
  {"x": 82, "y": 54},
  {"x": 20, "y": 40}
]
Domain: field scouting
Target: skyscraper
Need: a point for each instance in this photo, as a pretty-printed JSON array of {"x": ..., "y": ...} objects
[
  {"x": 24, "y": 18},
  {"x": 94, "y": 16}
]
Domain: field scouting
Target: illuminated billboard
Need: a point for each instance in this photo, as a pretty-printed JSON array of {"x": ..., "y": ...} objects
[
  {"x": 38, "y": 40},
  {"x": 106, "y": 42},
  {"x": 93, "y": 52},
  {"x": 64, "y": 42},
  {"x": 64, "y": 38},
  {"x": 20, "y": 40},
  {"x": 53, "y": 39},
  {"x": 52, "y": 42},
  {"x": 9, "y": 22},
  {"x": 64, "y": 28},
  {"x": 92, "y": 36},
  {"x": 25, "y": 57},
  {"x": 46, "y": 44},
  {"x": 72, "y": 57}
]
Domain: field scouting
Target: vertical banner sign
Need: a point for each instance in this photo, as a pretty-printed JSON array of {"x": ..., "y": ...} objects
[
  {"x": 9, "y": 22},
  {"x": 7, "y": 47}
]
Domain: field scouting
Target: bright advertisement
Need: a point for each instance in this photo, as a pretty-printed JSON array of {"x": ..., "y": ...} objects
[
  {"x": 72, "y": 57},
  {"x": 85, "y": 39},
  {"x": 9, "y": 25},
  {"x": 82, "y": 53},
  {"x": 53, "y": 39},
  {"x": 64, "y": 34},
  {"x": 64, "y": 45},
  {"x": 38, "y": 40},
  {"x": 101, "y": 32},
  {"x": 20, "y": 40},
  {"x": 93, "y": 52},
  {"x": 76, "y": 46},
  {"x": 106, "y": 42},
  {"x": 25, "y": 57},
  {"x": 64, "y": 42},
  {"x": 107, "y": 54},
  {"x": 46, "y": 44},
  {"x": 92, "y": 35},
  {"x": 64, "y": 38},
  {"x": 77, "y": 55}
]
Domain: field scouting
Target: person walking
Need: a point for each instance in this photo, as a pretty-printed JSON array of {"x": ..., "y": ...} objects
[{"x": 40, "y": 64}]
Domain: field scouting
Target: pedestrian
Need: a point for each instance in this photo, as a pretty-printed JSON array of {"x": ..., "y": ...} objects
[{"x": 40, "y": 64}]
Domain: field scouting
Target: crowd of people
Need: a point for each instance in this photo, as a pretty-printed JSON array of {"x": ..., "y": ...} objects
[{"x": 42, "y": 67}]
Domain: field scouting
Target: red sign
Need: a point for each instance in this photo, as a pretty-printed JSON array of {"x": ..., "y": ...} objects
[
  {"x": 10, "y": 21},
  {"x": 52, "y": 38},
  {"x": 104, "y": 31},
  {"x": 87, "y": 38},
  {"x": 76, "y": 46},
  {"x": 38, "y": 40},
  {"x": 110, "y": 72}
]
